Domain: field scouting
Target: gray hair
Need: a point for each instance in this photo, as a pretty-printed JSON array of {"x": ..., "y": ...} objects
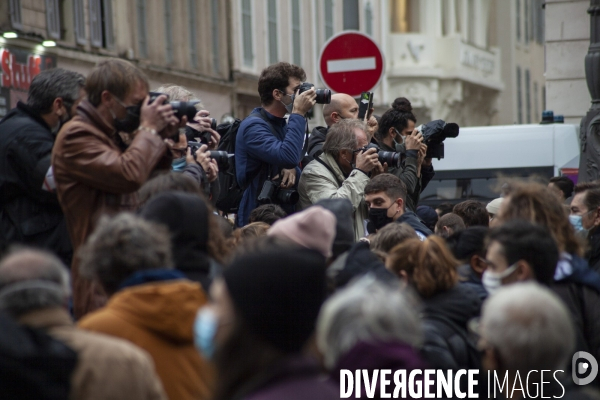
[
  {"x": 341, "y": 136},
  {"x": 51, "y": 84},
  {"x": 529, "y": 326},
  {"x": 32, "y": 279},
  {"x": 179, "y": 93},
  {"x": 121, "y": 246},
  {"x": 366, "y": 311}
]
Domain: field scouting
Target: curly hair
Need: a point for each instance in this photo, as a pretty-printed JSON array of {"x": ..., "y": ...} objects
[
  {"x": 535, "y": 203},
  {"x": 396, "y": 117},
  {"x": 472, "y": 213},
  {"x": 122, "y": 245},
  {"x": 430, "y": 265},
  {"x": 277, "y": 76}
]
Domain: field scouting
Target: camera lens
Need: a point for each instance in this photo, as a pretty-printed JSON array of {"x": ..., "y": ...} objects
[
  {"x": 222, "y": 159},
  {"x": 392, "y": 159},
  {"x": 187, "y": 108},
  {"x": 213, "y": 124},
  {"x": 288, "y": 196},
  {"x": 323, "y": 96}
]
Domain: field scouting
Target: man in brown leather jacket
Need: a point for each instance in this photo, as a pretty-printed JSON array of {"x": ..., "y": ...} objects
[{"x": 95, "y": 172}]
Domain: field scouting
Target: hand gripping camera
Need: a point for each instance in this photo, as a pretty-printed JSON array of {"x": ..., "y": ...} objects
[
  {"x": 323, "y": 95},
  {"x": 391, "y": 158},
  {"x": 434, "y": 134},
  {"x": 273, "y": 193},
  {"x": 192, "y": 134}
]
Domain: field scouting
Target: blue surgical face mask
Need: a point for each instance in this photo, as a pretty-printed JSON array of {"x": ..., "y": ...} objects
[
  {"x": 178, "y": 164},
  {"x": 205, "y": 330},
  {"x": 577, "y": 222}
]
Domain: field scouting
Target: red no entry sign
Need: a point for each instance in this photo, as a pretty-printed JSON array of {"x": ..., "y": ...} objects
[{"x": 351, "y": 63}]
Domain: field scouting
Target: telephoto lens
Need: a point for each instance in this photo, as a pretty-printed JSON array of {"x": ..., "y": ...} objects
[
  {"x": 221, "y": 157},
  {"x": 391, "y": 158}
]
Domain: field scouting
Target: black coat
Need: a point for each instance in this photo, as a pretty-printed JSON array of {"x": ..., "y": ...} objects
[
  {"x": 29, "y": 213},
  {"x": 593, "y": 254},
  {"x": 316, "y": 140},
  {"x": 413, "y": 220},
  {"x": 448, "y": 344}
]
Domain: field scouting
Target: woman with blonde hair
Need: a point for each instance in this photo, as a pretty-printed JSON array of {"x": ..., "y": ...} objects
[{"x": 430, "y": 269}]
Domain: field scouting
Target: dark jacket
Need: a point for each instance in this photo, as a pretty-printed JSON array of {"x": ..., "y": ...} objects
[
  {"x": 447, "y": 344},
  {"x": 411, "y": 219},
  {"x": 358, "y": 261},
  {"x": 580, "y": 291},
  {"x": 297, "y": 378},
  {"x": 258, "y": 152},
  {"x": 408, "y": 174},
  {"x": 593, "y": 254},
  {"x": 392, "y": 355},
  {"x": 316, "y": 140},
  {"x": 470, "y": 279},
  {"x": 29, "y": 209}
]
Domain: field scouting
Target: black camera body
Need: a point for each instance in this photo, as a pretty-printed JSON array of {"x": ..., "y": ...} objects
[
  {"x": 391, "y": 158},
  {"x": 434, "y": 134},
  {"x": 187, "y": 108},
  {"x": 192, "y": 134},
  {"x": 323, "y": 95},
  {"x": 221, "y": 157},
  {"x": 272, "y": 193}
]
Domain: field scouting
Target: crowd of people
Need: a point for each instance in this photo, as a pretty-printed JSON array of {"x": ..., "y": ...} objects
[{"x": 123, "y": 277}]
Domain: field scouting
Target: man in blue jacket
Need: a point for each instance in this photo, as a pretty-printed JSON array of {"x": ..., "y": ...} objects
[{"x": 266, "y": 146}]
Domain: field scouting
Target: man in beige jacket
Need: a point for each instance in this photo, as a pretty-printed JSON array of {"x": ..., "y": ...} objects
[
  {"x": 342, "y": 171},
  {"x": 34, "y": 289}
]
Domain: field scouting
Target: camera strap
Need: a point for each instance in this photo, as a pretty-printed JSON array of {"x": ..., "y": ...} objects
[{"x": 318, "y": 159}]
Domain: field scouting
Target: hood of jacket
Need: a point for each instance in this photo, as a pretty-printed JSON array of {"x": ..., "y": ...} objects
[
  {"x": 413, "y": 220},
  {"x": 459, "y": 304},
  {"x": 316, "y": 139},
  {"x": 167, "y": 309}
]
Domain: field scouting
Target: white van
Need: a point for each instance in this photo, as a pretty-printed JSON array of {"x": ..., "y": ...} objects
[{"x": 474, "y": 160}]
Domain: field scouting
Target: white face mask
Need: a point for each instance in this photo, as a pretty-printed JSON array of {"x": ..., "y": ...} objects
[{"x": 493, "y": 280}]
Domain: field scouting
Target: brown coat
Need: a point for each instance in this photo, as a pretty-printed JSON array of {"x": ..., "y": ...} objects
[
  {"x": 159, "y": 318},
  {"x": 94, "y": 177},
  {"x": 107, "y": 368}
]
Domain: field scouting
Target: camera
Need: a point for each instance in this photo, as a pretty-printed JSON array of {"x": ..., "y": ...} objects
[
  {"x": 434, "y": 134},
  {"x": 187, "y": 108},
  {"x": 271, "y": 192},
  {"x": 221, "y": 157},
  {"x": 389, "y": 157},
  {"x": 323, "y": 95},
  {"x": 192, "y": 134}
]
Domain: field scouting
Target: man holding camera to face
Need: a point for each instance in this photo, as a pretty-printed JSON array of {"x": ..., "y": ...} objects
[
  {"x": 95, "y": 172},
  {"x": 342, "y": 170},
  {"x": 267, "y": 148}
]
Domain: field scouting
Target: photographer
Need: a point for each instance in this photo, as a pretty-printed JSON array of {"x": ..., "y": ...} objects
[
  {"x": 342, "y": 106},
  {"x": 200, "y": 166},
  {"x": 341, "y": 172},
  {"x": 267, "y": 146},
  {"x": 94, "y": 172},
  {"x": 29, "y": 210},
  {"x": 396, "y": 133}
]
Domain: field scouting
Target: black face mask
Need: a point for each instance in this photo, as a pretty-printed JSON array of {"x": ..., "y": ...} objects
[
  {"x": 131, "y": 122},
  {"x": 378, "y": 217}
]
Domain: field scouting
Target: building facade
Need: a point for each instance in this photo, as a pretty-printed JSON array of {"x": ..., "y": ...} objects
[
  {"x": 183, "y": 42},
  {"x": 474, "y": 62},
  {"x": 567, "y": 42}
]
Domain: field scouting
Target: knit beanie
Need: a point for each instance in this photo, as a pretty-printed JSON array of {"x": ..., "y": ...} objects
[
  {"x": 313, "y": 228},
  {"x": 494, "y": 206},
  {"x": 344, "y": 227},
  {"x": 278, "y": 293}
]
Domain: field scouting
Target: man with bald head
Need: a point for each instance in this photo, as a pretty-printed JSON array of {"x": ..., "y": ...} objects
[
  {"x": 35, "y": 291},
  {"x": 342, "y": 106}
]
